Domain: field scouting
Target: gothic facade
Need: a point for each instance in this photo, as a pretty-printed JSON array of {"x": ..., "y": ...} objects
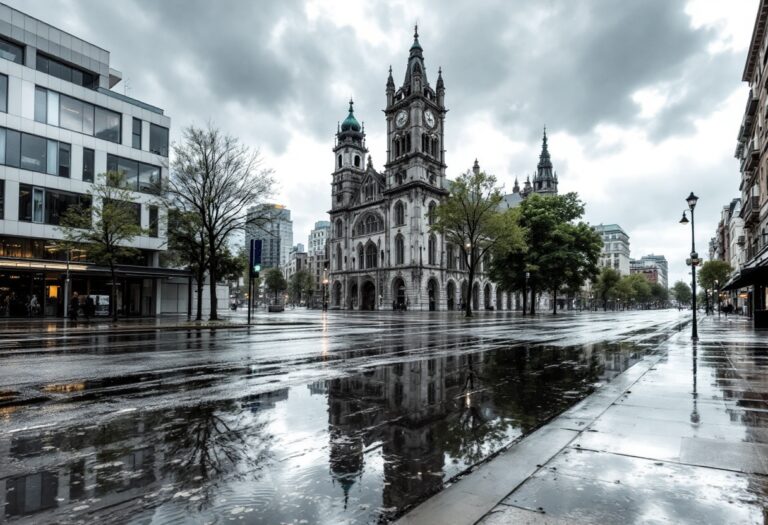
[{"x": 382, "y": 253}]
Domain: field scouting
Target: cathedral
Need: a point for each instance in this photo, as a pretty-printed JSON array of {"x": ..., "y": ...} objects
[{"x": 382, "y": 253}]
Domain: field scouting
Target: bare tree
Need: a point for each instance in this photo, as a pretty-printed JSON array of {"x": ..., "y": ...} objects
[{"x": 217, "y": 178}]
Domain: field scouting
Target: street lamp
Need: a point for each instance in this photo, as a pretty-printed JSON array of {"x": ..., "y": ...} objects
[
  {"x": 717, "y": 287},
  {"x": 693, "y": 260},
  {"x": 325, "y": 290},
  {"x": 525, "y": 292}
]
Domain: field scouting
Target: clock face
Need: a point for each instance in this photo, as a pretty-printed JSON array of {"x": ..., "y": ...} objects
[
  {"x": 429, "y": 117},
  {"x": 401, "y": 118}
]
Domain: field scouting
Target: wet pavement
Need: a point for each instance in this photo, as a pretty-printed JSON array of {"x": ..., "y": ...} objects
[
  {"x": 340, "y": 418},
  {"x": 683, "y": 440}
]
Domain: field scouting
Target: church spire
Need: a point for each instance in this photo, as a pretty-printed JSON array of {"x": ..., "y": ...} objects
[
  {"x": 544, "y": 181},
  {"x": 416, "y": 47},
  {"x": 415, "y": 65}
]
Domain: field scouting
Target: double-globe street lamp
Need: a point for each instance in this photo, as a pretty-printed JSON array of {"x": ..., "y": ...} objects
[{"x": 693, "y": 260}]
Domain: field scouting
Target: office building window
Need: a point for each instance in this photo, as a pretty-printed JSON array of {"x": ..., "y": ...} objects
[
  {"x": 30, "y": 152},
  {"x": 48, "y": 206},
  {"x": 2, "y": 200},
  {"x": 136, "y": 135},
  {"x": 138, "y": 176},
  {"x": 41, "y": 104},
  {"x": 107, "y": 125},
  {"x": 33, "y": 153},
  {"x": 89, "y": 168},
  {"x": 158, "y": 140},
  {"x": 11, "y": 51},
  {"x": 58, "y": 69},
  {"x": 75, "y": 115},
  {"x": 3, "y": 94},
  {"x": 153, "y": 221},
  {"x": 64, "y": 159}
]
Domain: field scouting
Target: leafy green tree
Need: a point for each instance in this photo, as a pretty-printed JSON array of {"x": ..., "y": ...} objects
[
  {"x": 605, "y": 286},
  {"x": 300, "y": 283},
  {"x": 275, "y": 282},
  {"x": 641, "y": 289},
  {"x": 469, "y": 219},
  {"x": 625, "y": 291},
  {"x": 104, "y": 228},
  {"x": 659, "y": 294},
  {"x": 558, "y": 252},
  {"x": 714, "y": 274},
  {"x": 682, "y": 293}
]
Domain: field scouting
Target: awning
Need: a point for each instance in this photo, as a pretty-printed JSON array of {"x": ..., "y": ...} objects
[{"x": 748, "y": 277}]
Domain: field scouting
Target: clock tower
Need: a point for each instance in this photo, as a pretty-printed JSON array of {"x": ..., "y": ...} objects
[{"x": 415, "y": 116}]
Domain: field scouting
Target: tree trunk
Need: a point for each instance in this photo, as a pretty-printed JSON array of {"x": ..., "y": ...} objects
[
  {"x": 113, "y": 300},
  {"x": 212, "y": 261},
  {"x": 554, "y": 301},
  {"x": 525, "y": 301},
  {"x": 470, "y": 292},
  {"x": 200, "y": 286},
  {"x": 533, "y": 299}
]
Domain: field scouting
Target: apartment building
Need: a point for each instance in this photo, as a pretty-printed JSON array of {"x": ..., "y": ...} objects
[{"x": 615, "y": 253}]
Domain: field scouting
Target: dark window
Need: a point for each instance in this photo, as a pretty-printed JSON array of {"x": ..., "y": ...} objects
[
  {"x": 399, "y": 250},
  {"x": 2, "y": 200},
  {"x": 357, "y": 161},
  {"x": 136, "y": 135},
  {"x": 89, "y": 162},
  {"x": 53, "y": 67},
  {"x": 370, "y": 256},
  {"x": 399, "y": 213},
  {"x": 153, "y": 221},
  {"x": 136, "y": 208},
  {"x": 11, "y": 51},
  {"x": 41, "y": 103},
  {"x": 158, "y": 140},
  {"x": 107, "y": 125},
  {"x": 432, "y": 250},
  {"x": 12, "y": 148},
  {"x": 431, "y": 213},
  {"x": 25, "y": 202},
  {"x": 33, "y": 151},
  {"x": 64, "y": 159},
  {"x": 138, "y": 176},
  {"x": 4, "y": 93}
]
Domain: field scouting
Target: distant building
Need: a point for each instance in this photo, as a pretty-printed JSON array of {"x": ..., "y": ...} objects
[
  {"x": 650, "y": 272},
  {"x": 297, "y": 261},
  {"x": 615, "y": 252},
  {"x": 318, "y": 237},
  {"x": 654, "y": 267},
  {"x": 272, "y": 224}
]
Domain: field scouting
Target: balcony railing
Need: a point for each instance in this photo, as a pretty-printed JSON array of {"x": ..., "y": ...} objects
[
  {"x": 750, "y": 211},
  {"x": 752, "y": 156},
  {"x": 751, "y": 103}
]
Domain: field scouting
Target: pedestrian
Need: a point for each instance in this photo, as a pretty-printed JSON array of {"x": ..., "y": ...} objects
[
  {"x": 34, "y": 306},
  {"x": 90, "y": 307},
  {"x": 74, "y": 306}
]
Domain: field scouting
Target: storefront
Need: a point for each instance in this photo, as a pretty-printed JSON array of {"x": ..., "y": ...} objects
[{"x": 35, "y": 288}]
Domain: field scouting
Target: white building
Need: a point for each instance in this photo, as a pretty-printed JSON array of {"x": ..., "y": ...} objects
[
  {"x": 272, "y": 224},
  {"x": 61, "y": 129},
  {"x": 318, "y": 237},
  {"x": 615, "y": 252}
]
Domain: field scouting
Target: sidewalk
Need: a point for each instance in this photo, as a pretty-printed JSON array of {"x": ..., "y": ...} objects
[{"x": 681, "y": 437}]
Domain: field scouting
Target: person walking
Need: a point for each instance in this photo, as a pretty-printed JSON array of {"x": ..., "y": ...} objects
[
  {"x": 90, "y": 307},
  {"x": 74, "y": 306},
  {"x": 34, "y": 306}
]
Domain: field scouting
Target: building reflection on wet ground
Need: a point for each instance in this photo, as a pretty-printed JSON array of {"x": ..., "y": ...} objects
[{"x": 347, "y": 433}]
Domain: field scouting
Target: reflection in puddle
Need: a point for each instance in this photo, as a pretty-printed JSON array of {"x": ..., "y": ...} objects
[{"x": 355, "y": 449}]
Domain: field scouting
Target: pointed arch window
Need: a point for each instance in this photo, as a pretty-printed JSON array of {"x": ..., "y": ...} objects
[
  {"x": 431, "y": 212},
  {"x": 360, "y": 256},
  {"x": 339, "y": 160},
  {"x": 400, "y": 177},
  {"x": 370, "y": 256},
  {"x": 399, "y": 249},
  {"x": 369, "y": 224},
  {"x": 450, "y": 256},
  {"x": 432, "y": 250},
  {"x": 432, "y": 178},
  {"x": 399, "y": 213},
  {"x": 339, "y": 228},
  {"x": 357, "y": 161},
  {"x": 338, "y": 257}
]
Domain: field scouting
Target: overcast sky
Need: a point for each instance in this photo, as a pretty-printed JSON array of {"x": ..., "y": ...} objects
[{"x": 641, "y": 98}]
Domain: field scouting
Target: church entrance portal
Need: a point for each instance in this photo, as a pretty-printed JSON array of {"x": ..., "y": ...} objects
[
  {"x": 432, "y": 294},
  {"x": 450, "y": 293},
  {"x": 369, "y": 296},
  {"x": 398, "y": 291}
]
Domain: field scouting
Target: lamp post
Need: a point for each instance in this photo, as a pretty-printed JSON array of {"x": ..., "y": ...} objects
[
  {"x": 717, "y": 287},
  {"x": 525, "y": 292},
  {"x": 693, "y": 260},
  {"x": 325, "y": 290}
]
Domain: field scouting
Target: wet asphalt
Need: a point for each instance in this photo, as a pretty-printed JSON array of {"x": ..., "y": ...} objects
[{"x": 305, "y": 417}]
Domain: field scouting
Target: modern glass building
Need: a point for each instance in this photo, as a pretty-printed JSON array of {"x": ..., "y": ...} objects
[{"x": 61, "y": 128}]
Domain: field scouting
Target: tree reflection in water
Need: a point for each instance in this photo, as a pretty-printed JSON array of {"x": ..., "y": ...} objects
[{"x": 208, "y": 444}]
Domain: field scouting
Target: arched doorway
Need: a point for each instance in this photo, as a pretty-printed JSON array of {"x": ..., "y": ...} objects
[
  {"x": 464, "y": 294},
  {"x": 432, "y": 294},
  {"x": 476, "y": 296},
  {"x": 499, "y": 299},
  {"x": 398, "y": 292},
  {"x": 352, "y": 296},
  {"x": 487, "y": 297},
  {"x": 336, "y": 294},
  {"x": 509, "y": 301},
  {"x": 368, "y": 300},
  {"x": 450, "y": 293}
]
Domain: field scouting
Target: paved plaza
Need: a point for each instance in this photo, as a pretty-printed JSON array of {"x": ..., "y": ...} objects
[{"x": 356, "y": 418}]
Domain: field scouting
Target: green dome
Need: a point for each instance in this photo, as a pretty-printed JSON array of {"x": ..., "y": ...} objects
[{"x": 350, "y": 123}]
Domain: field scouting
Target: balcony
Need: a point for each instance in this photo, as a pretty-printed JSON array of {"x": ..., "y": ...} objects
[
  {"x": 752, "y": 101},
  {"x": 752, "y": 156},
  {"x": 750, "y": 211}
]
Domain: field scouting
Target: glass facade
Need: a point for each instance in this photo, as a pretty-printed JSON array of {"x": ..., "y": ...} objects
[
  {"x": 89, "y": 165},
  {"x": 138, "y": 176},
  {"x": 136, "y": 135},
  {"x": 11, "y": 51},
  {"x": 75, "y": 115},
  {"x": 45, "y": 205},
  {"x": 158, "y": 140},
  {"x": 3, "y": 94},
  {"x": 58, "y": 69},
  {"x": 34, "y": 153}
]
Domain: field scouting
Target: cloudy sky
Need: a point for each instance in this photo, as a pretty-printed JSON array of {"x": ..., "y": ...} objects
[{"x": 642, "y": 98}]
